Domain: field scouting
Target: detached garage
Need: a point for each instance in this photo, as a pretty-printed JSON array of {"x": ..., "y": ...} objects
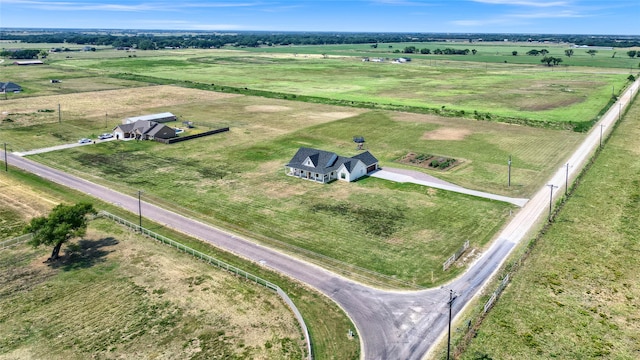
[{"x": 158, "y": 118}]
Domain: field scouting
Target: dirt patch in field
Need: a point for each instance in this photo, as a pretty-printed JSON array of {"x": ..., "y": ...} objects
[
  {"x": 534, "y": 104},
  {"x": 335, "y": 115},
  {"x": 266, "y": 108},
  {"x": 449, "y": 134},
  {"x": 424, "y": 118}
]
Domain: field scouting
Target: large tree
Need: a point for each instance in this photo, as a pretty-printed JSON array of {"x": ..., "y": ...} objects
[
  {"x": 65, "y": 222},
  {"x": 568, "y": 52}
]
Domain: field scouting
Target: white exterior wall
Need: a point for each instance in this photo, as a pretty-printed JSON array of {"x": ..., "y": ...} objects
[
  {"x": 357, "y": 172},
  {"x": 118, "y": 134}
]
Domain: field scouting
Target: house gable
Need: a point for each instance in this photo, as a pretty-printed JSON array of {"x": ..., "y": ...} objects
[{"x": 323, "y": 166}]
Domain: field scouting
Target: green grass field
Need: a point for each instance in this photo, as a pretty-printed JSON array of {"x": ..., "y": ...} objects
[
  {"x": 113, "y": 272},
  {"x": 577, "y": 295},
  {"x": 221, "y": 178},
  {"x": 575, "y": 94},
  {"x": 491, "y": 52}
]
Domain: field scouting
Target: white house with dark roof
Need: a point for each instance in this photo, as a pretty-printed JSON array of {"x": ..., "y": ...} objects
[
  {"x": 144, "y": 130},
  {"x": 324, "y": 166},
  {"x": 10, "y": 87}
]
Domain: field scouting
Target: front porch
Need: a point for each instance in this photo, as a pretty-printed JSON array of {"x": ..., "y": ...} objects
[{"x": 309, "y": 175}]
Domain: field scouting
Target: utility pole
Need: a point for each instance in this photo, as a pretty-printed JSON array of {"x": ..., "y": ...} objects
[
  {"x": 551, "y": 187},
  {"x": 566, "y": 182},
  {"x": 139, "y": 210},
  {"x": 451, "y": 299},
  {"x": 509, "y": 163},
  {"x": 601, "y": 126},
  {"x": 59, "y": 114},
  {"x": 619, "y": 111},
  {"x": 6, "y": 165}
]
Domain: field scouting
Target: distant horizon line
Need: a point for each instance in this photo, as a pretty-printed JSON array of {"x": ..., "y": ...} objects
[{"x": 3, "y": 29}]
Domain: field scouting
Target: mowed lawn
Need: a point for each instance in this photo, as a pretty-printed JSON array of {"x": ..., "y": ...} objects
[
  {"x": 528, "y": 91},
  {"x": 117, "y": 294},
  {"x": 578, "y": 294},
  {"x": 237, "y": 179}
]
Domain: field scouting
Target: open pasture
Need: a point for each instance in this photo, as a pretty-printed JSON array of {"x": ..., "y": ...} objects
[
  {"x": 117, "y": 294},
  {"x": 567, "y": 94},
  {"x": 486, "y": 52},
  {"x": 35, "y": 80},
  {"x": 237, "y": 179},
  {"x": 577, "y": 294}
]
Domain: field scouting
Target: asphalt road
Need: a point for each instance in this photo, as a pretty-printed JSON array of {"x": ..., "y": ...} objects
[{"x": 390, "y": 324}]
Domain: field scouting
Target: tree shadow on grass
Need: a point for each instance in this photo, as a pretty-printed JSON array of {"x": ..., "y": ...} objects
[{"x": 85, "y": 254}]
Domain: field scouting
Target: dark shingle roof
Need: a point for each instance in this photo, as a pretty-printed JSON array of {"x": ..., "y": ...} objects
[
  {"x": 325, "y": 161},
  {"x": 366, "y": 158}
]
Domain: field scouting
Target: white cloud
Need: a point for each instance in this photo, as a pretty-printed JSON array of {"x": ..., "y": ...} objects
[
  {"x": 548, "y": 15},
  {"x": 524, "y": 3},
  {"x": 119, "y": 7},
  {"x": 400, "y": 2}
]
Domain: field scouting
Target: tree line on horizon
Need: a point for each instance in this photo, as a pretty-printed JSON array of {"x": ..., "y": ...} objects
[{"x": 149, "y": 40}]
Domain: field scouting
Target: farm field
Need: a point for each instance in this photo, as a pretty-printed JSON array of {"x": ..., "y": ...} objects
[
  {"x": 133, "y": 297},
  {"x": 489, "y": 52},
  {"x": 223, "y": 178},
  {"x": 576, "y": 296},
  {"x": 534, "y": 92},
  {"x": 100, "y": 268}
]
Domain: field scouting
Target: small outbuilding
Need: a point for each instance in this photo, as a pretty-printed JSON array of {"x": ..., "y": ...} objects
[
  {"x": 158, "y": 118},
  {"x": 10, "y": 87},
  {"x": 28, "y": 62}
]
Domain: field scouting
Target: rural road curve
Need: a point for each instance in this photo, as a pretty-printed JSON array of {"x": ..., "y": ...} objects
[{"x": 391, "y": 324}]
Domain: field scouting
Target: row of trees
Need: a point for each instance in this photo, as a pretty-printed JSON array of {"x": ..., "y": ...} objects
[
  {"x": 549, "y": 60},
  {"x": 447, "y": 51},
  {"x": 20, "y": 54},
  {"x": 194, "y": 39}
]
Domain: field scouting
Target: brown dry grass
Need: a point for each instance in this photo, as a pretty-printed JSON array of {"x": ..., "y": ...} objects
[
  {"x": 454, "y": 134},
  {"x": 121, "y": 102},
  {"x": 23, "y": 200},
  {"x": 266, "y": 108}
]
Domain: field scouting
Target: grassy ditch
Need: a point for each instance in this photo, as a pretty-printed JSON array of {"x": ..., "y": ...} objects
[
  {"x": 327, "y": 323},
  {"x": 576, "y": 296}
]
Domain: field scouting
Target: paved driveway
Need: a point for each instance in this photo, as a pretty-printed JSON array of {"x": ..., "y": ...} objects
[{"x": 416, "y": 177}]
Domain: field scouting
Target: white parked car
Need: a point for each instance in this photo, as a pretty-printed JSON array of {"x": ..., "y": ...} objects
[
  {"x": 84, "y": 141},
  {"x": 105, "y": 136}
]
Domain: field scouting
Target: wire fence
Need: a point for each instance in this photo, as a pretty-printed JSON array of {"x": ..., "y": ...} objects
[
  {"x": 221, "y": 264},
  {"x": 15, "y": 241}
]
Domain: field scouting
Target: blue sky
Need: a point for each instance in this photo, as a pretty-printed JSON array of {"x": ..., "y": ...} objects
[{"x": 619, "y": 17}]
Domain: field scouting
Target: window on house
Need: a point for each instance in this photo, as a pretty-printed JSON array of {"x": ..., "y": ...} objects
[{"x": 343, "y": 176}]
